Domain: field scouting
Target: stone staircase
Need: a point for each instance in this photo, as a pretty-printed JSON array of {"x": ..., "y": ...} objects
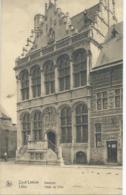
[{"x": 42, "y": 152}]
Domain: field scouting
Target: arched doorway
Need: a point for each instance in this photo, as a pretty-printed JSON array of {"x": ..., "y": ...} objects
[
  {"x": 51, "y": 140},
  {"x": 81, "y": 158}
]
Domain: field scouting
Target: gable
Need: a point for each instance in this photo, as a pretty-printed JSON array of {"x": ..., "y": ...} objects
[{"x": 55, "y": 25}]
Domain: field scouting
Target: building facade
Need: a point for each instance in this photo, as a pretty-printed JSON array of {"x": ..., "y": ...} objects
[
  {"x": 69, "y": 83},
  {"x": 8, "y": 135}
]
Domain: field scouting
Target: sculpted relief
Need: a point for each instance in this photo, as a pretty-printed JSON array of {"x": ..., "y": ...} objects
[{"x": 49, "y": 118}]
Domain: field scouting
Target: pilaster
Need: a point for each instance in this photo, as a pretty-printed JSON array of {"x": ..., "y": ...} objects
[
  {"x": 71, "y": 74},
  {"x": 73, "y": 136},
  {"x": 89, "y": 131},
  {"x": 30, "y": 87},
  {"x": 56, "y": 79},
  {"x": 42, "y": 83},
  {"x": 88, "y": 67},
  {"x": 19, "y": 132},
  {"x": 31, "y": 132},
  {"x": 18, "y": 89}
]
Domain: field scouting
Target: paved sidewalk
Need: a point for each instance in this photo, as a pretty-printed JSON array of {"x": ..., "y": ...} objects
[
  {"x": 38, "y": 179},
  {"x": 109, "y": 166}
]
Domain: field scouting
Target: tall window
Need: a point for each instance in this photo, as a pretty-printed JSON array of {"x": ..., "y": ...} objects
[
  {"x": 117, "y": 98},
  {"x": 81, "y": 123},
  {"x": 66, "y": 125},
  {"x": 63, "y": 63},
  {"x": 36, "y": 81},
  {"x": 24, "y": 85},
  {"x": 102, "y": 100},
  {"x": 26, "y": 127},
  {"x": 79, "y": 68},
  {"x": 37, "y": 126},
  {"x": 49, "y": 75},
  {"x": 105, "y": 100},
  {"x": 98, "y": 134},
  {"x": 99, "y": 101}
]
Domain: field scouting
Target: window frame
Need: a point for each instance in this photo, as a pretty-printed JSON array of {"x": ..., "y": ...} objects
[
  {"x": 117, "y": 96},
  {"x": 37, "y": 126},
  {"x": 80, "y": 68},
  {"x": 66, "y": 125},
  {"x": 81, "y": 118},
  {"x": 102, "y": 99},
  {"x": 49, "y": 78},
  {"x": 63, "y": 64},
  {"x": 36, "y": 81},
  {"x": 98, "y": 135},
  {"x": 25, "y": 128},
  {"x": 24, "y": 78}
]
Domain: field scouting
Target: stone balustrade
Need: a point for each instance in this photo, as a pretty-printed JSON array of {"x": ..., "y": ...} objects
[{"x": 40, "y": 145}]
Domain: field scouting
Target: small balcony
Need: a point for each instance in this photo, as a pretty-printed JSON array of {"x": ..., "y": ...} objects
[{"x": 40, "y": 145}]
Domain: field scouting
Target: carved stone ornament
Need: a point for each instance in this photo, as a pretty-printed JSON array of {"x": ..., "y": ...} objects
[
  {"x": 51, "y": 36},
  {"x": 49, "y": 118}
]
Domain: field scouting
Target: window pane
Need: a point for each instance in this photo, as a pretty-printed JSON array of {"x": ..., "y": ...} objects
[
  {"x": 98, "y": 133},
  {"x": 37, "y": 125},
  {"x": 49, "y": 76},
  {"x": 64, "y": 72},
  {"x": 66, "y": 125},
  {"x": 81, "y": 123},
  {"x": 25, "y": 85},
  {"x": 36, "y": 82},
  {"x": 80, "y": 61},
  {"x": 117, "y": 98}
]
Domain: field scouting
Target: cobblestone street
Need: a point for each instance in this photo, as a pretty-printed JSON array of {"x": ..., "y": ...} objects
[{"x": 36, "y": 179}]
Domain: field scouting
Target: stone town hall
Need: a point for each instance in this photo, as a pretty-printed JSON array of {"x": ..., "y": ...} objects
[{"x": 69, "y": 82}]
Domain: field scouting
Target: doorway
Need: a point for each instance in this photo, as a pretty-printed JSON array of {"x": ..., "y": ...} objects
[
  {"x": 81, "y": 158},
  {"x": 51, "y": 140},
  {"x": 112, "y": 151}
]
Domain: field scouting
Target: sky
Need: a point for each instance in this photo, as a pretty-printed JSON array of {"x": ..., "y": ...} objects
[{"x": 17, "y": 22}]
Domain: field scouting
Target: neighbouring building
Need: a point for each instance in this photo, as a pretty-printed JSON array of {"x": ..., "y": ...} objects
[
  {"x": 69, "y": 86},
  {"x": 8, "y": 135}
]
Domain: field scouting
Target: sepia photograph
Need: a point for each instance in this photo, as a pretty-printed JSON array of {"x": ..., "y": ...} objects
[{"x": 61, "y": 97}]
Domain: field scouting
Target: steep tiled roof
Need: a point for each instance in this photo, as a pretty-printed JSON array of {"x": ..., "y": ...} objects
[
  {"x": 79, "y": 20},
  {"x": 5, "y": 121},
  {"x": 112, "y": 49}
]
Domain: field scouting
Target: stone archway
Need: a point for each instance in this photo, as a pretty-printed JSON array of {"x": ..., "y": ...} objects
[
  {"x": 81, "y": 158},
  {"x": 51, "y": 136}
]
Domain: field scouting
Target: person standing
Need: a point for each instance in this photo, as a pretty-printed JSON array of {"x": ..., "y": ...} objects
[{"x": 5, "y": 156}]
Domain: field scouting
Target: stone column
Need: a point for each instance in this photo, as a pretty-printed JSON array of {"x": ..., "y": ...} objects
[
  {"x": 56, "y": 79},
  {"x": 18, "y": 89},
  {"x": 19, "y": 136},
  {"x": 73, "y": 136},
  {"x": 88, "y": 67},
  {"x": 58, "y": 129},
  {"x": 42, "y": 83},
  {"x": 30, "y": 87},
  {"x": 71, "y": 75},
  {"x": 89, "y": 131},
  {"x": 31, "y": 132},
  {"x": 19, "y": 131},
  {"x": 120, "y": 141}
]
